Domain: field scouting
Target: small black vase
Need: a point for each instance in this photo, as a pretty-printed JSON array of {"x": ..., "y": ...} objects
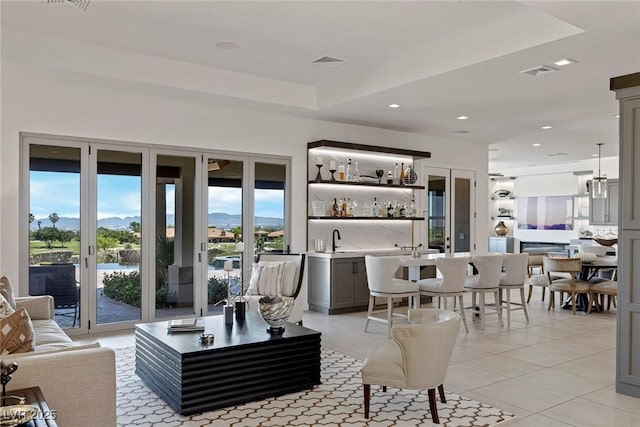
[{"x": 241, "y": 307}]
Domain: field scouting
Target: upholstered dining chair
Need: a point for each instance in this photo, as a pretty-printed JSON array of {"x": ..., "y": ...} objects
[
  {"x": 515, "y": 273},
  {"x": 417, "y": 358},
  {"x": 450, "y": 285},
  {"x": 571, "y": 285},
  {"x": 536, "y": 275},
  {"x": 486, "y": 281},
  {"x": 600, "y": 289},
  {"x": 381, "y": 272}
]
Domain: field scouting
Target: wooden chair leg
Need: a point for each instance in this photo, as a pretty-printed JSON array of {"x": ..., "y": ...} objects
[
  {"x": 367, "y": 398},
  {"x": 384, "y": 388},
  {"x": 481, "y": 311},
  {"x": 573, "y": 302},
  {"x": 464, "y": 318},
  {"x": 432, "y": 406},
  {"x": 443, "y": 399},
  {"x": 372, "y": 302},
  {"x": 508, "y": 308},
  {"x": 499, "y": 307},
  {"x": 524, "y": 305},
  {"x": 389, "y": 315},
  {"x": 530, "y": 293},
  {"x": 543, "y": 292}
]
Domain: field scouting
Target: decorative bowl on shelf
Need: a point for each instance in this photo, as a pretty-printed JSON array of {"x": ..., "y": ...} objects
[
  {"x": 502, "y": 193},
  {"x": 606, "y": 242},
  {"x": 275, "y": 311}
]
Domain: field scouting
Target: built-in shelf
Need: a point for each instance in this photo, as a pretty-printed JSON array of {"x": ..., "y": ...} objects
[
  {"x": 503, "y": 217},
  {"x": 368, "y": 184},
  {"x": 503, "y": 198},
  {"x": 375, "y": 218}
]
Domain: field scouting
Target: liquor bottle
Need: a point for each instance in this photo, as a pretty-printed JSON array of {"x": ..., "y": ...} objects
[
  {"x": 395, "y": 173},
  {"x": 343, "y": 207},
  {"x": 349, "y": 175},
  {"x": 356, "y": 173},
  {"x": 389, "y": 178},
  {"x": 374, "y": 209},
  {"x": 401, "y": 179},
  {"x": 334, "y": 208},
  {"x": 349, "y": 207},
  {"x": 341, "y": 172},
  {"x": 390, "y": 210},
  {"x": 412, "y": 208}
]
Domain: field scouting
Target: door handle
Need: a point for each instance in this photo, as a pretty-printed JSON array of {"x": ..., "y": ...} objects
[{"x": 86, "y": 262}]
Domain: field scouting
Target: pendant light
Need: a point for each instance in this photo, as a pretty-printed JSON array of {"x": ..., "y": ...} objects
[{"x": 599, "y": 183}]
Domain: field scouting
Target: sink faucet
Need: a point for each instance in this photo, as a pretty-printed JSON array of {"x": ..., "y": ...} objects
[{"x": 333, "y": 240}]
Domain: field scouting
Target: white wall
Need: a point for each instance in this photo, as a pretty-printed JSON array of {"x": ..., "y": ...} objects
[{"x": 32, "y": 101}]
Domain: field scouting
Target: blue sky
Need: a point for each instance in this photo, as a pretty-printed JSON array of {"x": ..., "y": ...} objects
[{"x": 119, "y": 196}]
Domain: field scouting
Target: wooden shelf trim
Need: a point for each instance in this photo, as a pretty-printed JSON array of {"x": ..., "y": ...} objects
[{"x": 364, "y": 147}]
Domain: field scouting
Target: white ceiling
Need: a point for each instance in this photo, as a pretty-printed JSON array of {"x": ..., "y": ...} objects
[{"x": 438, "y": 60}]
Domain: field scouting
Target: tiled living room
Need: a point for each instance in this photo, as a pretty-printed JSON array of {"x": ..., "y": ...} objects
[{"x": 556, "y": 370}]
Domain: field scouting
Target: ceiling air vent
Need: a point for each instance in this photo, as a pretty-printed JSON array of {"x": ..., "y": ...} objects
[
  {"x": 539, "y": 70},
  {"x": 328, "y": 61}
]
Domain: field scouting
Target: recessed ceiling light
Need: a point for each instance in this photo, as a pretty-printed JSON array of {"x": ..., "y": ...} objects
[
  {"x": 394, "y": 105},
  {"x": 594, "y": 155},
  {"x": 537, "y": 144},
  {"x": 462, "y": 117},
  {"x": 565, "y": 61},
  {"x": 546, "y": 127},
  {"x": 617, "y": 116},
  {"x": 226, "y": 45}
]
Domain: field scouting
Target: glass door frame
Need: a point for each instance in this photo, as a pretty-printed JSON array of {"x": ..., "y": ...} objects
[
  {"x": 248, "y": 213},
  {"x": 26, "y": 140},
  {"x": 449, "y": 176},
  {"x": 92, "y": 246},
  {"x": 150, "y": 240}
]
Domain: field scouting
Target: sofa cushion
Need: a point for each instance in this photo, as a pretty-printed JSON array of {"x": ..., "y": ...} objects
[
  {"x": 38, "y": 307},
  {"x": 7, "y": 291},
  {"x": 16, "y": 333},
  {"x": 5, "y": 307},
  {"x": 50, "y": 336}
]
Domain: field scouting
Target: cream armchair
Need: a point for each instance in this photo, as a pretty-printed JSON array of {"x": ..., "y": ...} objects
[
  {"x": 291, "y": 283},
  {"x": 417, "y": 358}
]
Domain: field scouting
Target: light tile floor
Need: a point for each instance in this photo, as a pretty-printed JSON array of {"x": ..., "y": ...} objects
[{"x": 557, "y": 370}]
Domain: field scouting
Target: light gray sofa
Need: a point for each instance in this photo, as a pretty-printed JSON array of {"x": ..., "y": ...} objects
[{"x": 78, "y": 382}]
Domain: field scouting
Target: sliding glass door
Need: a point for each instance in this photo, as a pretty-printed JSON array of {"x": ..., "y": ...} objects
[
  {"x": 56, "y": 235},
  {"x": 123, "y": 233},
  {"x": 175, "y": 230}
]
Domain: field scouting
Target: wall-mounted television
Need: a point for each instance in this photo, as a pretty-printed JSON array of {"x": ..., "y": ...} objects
[{"x": 545, "y": 213}]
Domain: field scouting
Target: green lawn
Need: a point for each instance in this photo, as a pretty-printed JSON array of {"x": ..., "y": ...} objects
[{"x": 37, "y": 246}]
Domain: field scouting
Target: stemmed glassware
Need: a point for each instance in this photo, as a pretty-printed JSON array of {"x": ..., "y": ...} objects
[
  {"x": 379, "y": 174},
  {"x": 319, "y": 165}
]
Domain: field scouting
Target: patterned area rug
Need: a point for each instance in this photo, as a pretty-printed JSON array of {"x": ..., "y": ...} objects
[{"x": 336, "y": 402}]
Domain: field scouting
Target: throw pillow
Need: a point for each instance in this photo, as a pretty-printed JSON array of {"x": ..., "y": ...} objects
[
  {"x": 7, "y": 291},
  {"x": 16, "y": 333},
  {"x": 5, "y": 308},
  {"x": 289, "y": 279},
  {"x": 266, "y": 279}
]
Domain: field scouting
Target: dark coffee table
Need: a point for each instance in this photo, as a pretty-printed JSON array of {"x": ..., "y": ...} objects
[{"x": 244, "y": 363}]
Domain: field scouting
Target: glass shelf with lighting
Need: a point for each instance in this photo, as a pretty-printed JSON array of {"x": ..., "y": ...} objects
[
  {"x": 368, "y": 184},
  {"x": 366, "y": 218}
]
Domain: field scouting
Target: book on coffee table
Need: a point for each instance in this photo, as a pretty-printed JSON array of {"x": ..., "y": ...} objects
[{"x": 186, "y": 325}]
